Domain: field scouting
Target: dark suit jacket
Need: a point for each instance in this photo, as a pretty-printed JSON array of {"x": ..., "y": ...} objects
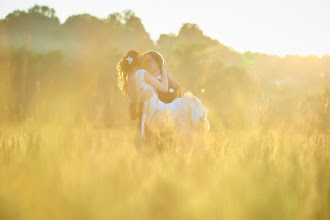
[{"x": 135, "y": 109}]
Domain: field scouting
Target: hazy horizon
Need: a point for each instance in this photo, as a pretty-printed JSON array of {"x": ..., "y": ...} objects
[{"x": 277, "y": 28}]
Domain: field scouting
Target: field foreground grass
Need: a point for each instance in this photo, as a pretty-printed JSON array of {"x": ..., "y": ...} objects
[{"x": 65, "y": 171}]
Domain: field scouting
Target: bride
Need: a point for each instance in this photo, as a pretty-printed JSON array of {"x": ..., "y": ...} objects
[{"x": 185, "y": 116}]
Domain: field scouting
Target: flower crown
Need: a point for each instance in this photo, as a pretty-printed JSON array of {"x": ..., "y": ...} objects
[{"x": 130, "y": 60}]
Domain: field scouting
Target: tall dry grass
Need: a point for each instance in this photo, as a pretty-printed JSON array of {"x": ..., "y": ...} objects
[{"x": 69, "y": 168}]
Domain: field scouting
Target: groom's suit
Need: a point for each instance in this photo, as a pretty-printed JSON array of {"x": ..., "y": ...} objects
[{"x": 135, "y": 109}]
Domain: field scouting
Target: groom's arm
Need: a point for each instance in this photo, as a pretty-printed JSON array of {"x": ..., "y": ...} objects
[
  {"x": 134, "y": 110},
  {"x": 135, "y": 107}
]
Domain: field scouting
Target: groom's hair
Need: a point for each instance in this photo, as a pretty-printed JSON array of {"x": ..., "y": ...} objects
[{"x": 155, "y": 56}]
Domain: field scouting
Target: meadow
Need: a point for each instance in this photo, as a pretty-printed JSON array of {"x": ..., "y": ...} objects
[
  {"x": 64, "y": 169},
  {"x": 67, "y": 145}
]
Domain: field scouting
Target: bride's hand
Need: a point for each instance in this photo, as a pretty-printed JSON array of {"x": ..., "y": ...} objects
[{"x": 174, "y": 82}]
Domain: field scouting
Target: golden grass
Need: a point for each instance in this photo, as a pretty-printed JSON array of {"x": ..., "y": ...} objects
[
  {"x": 67, "y": 171},
  {"x": 59, "y": 165}
]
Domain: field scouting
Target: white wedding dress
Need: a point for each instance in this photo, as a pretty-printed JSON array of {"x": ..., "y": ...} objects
[{"x": 179, "y": 116}]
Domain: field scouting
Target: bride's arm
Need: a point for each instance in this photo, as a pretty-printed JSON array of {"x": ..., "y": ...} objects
[{"x": 161, "y": 86}]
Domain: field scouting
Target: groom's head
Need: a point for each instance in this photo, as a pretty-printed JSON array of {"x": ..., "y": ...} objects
[{"x": 152, "y": 61}]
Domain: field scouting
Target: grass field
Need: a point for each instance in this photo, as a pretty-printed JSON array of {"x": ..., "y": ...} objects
[
  {"x": 67, "y": 146},
  {"x": 62, "y": 170}
]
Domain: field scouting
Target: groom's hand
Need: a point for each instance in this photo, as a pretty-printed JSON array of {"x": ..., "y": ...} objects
[
  {"x": 135, "y": 108},
  {"x": 143, "y": 96}
]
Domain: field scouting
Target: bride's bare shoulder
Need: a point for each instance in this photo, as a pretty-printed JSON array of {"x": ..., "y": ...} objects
[{"x": 142, "y": 70}]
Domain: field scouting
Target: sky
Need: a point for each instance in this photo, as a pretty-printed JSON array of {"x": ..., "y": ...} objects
[{"x": 276, "y": 27}]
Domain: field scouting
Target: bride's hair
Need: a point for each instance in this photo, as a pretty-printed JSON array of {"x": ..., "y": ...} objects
[
  {"x": 155, "y": 56},
  {"x": 125, "y": 67}
]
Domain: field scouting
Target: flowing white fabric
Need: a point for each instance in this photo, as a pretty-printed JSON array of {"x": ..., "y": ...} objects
[{"x": 181, "y": 115}]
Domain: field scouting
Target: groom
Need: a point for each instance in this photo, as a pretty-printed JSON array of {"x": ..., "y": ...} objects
[{"x": 135, "y": 108}]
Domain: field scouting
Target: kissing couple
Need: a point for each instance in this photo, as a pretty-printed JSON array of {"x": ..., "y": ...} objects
[{"x": 156, "y": 100}]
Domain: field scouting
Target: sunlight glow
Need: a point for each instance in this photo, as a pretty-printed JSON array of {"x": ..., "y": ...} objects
[{"x": 274, "y": 27}]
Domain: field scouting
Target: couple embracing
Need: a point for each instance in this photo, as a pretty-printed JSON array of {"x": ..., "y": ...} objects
[{"x": 156, "y": 100}]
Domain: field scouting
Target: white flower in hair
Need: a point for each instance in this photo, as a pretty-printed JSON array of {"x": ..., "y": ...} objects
[{"x": 130, "y": 60}]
